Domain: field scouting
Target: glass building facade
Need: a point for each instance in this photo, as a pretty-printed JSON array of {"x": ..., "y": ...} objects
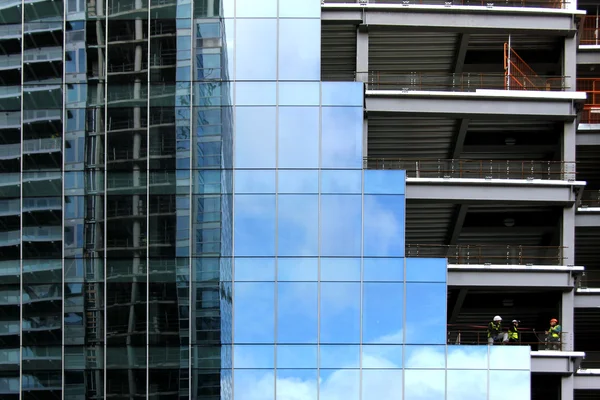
[{"x": 184, "y": 214}]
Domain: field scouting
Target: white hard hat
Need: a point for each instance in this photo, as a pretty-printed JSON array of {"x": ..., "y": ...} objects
[
  {"x": 497, "y": 318},
  {"x": 515, "y": 320}
]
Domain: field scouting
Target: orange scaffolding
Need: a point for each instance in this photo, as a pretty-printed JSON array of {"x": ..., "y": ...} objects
[
  {"x": 518, "y": 75},
  {"x": 589, "y": 32},
  {"x": 591, "y": 109}
]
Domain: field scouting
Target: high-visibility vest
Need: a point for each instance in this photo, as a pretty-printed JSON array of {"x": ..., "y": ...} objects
[
  {"x": 554, "y": 331},
  {"x": 494, "y": 328},
  {"x": 513, "y": 333}
]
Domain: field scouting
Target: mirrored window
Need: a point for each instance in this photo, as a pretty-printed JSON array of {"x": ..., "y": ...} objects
[
  {"x": 254, "y": 356},
  {"x": 255, "y": 137},
  {"x": 510, "y": 357},
  {"x": 383, "y": 269},
  {"x": 341, "y": 220},
  {"x": 341, "y": 137},
  {"x": 339, "y": 356},
  {"x": 298, "y": 143},
  {"x": 467, "y": 357},
  {"x": 424, "y": 384},
  {"x": 298, "y": 181},
  {"x": 297, "y": 312},
  {"x": 249, "y": 8},
  {"x": 306, "y": 383},
  {"x": 256, "y": 63},
  {"x": 384, "y": 181},
  {"x": 382, "y": 313},
  {"x": 467, "y": 383},
  {"x": 297, "y": 269},
  {"x": 254, "y": 225},
  {"x": 381, "y": 356},
  {"x": 342, "y": 181},
  {"x": 300, "y": 9},
  {"x": 425, "y": 357},
  {"x": 382, "y": 384},
  {"x": 245, "y": 382},
  {"x": 296, "y": 356},
  {"x": 384, "y": 226},
  {"x": 254, "y": 269},
  {"x": 255, "y": 93},
  {"x": 254, "y": 181},
  {"x": 342, "y": 94},
  {"x": 426, "y": 269},
  {"x": 298, "y": 225},
  {"x": 340, "y": 269},
  {"x": 300, "y": 54},
  {"x": 509, "y": 384},
  {"x": 254, "y": 312},
  {"x": 331, "y": 386},
  {"x": 426, "y": 313},
  {"x": 340, "y": 312},
  {"x": 299, "y": 93}
]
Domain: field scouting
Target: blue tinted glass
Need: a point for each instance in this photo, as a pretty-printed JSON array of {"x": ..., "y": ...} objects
[
  {"x": 425, "y": 313},
  {"x": 382, "y": 313},
  {"x": 426, "y": 269},
  {"x": 297, "y": 269},
  {"x": 256, "y": 62},
  {"x": 340, "y": 225},
  {"x": 342, "y": 94},
  {"x": 299, "y": 93},
  {"x": 303, "y": 9},
  {"x": 468, "y": 384},
  {"x": 384, "y": 181},
  {"x": 331, "y": 386},
  {"x": 254, "y": 312},
  {"x": 254, "y": 222},
  {"x": 298, "y": 225},
  {"x": 254, "y": 181},
  {"x": 230, "y": 33},
  {"x": 255, "y": 93},
  {"x": 340, "y": 312},
  {"x": 346, "y": 181},
  {"x": 467, "y": 357},
  {"x": 384, "y": 226},
  {"x": 382, "y": 355},
  {"x": 341, "y": 137},
  {"x": 255, "y": 137},
  {"x": 339, "y": 356},
  {"x": 255, "y": 269},
  {"x": 429, "y": 357},
  {"x": 298, "y": 181},
  {"x": 245, "y": 381},
  {"x": 297, "y": 310},
  {"x": 298, "y": 137},
  {"x": 516, "y": 384},
  {"x": 424, "y": 385},
  {"x": 296, "y": 356},
  {"x": 385, "y": 384},
  {"x": 510, "y": 357},
  {"x": 250, "y": 8},
  {"x": 340, "y": 269},
  {"x": 383, "y": 269},
  {"x": 254, "y": 356},
  {"x": 303, "y": 381},
  {"x": 300, "y": 50}
]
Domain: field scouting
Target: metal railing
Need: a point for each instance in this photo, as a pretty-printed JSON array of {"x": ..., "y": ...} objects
[
  {"x": 476, "y": 169},
  {"x": 528, "y": 337},
  {"x": 591, "y": 110},
  {"x": 490, "y": 254},
  {"x": 590, "y": 198},
  {"x": 589, "y": 33},
  {"x": 481, "y": 3},
  {"x": 463, "y": 82}
]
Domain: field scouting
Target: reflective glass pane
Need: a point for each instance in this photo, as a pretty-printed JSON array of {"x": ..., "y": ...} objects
[
  {"x": 255, "y": 137},
  {"x": 254, "y": 315},
  {"x": 298, "y": 181},
  {"x": 340, "y": 312},
  {"x": 384, "y": 226},
  {"x": 298, "y": 225},
  {"x": 341, "y": 220},
  {"x": 468, "y": 357},
  {"x": 425, "y": 313},
  {"x": 300, "y": 54},
  {"x": 249, "y": 8},
  {"x": 339, "y": 356},
  {"x": 509, "y": 384},
  {"x": 341, "y": 137},
  {"x": 297, "y": 269},
  {"x": 426, "y": 269},
  {"x": 384, "y": 181},
  {"x": 254, "y": 222},
  {"x": 382, "y": 356},
  {"x": 382, "y": 384},
  {"x": 510, "y": 357},
  {"x": 297, "y": 312},
  {"x": 427, "y": 357},
  {"x": 302, "y": 9},
  {"x": 339, "y": 384},
  {"x": 256, "y": 62},
  {"x": 296, "y": 356},
  {"x": 251, "y": 384},
  {"x": 292, "y": 383},
  {"x": 255, "y": 269},
  {"x": 383, "y": 269},
  {"x": 342, "y": 94},
  {"x": 342, "y": 181},
  {"x": 466, "y": 384},
  {"x": 298, "y": 137},
  {"x": 254, "y": 356},
  {"x": 255, "y": 94},
  {"x": 254, "y": 181},
  {"x": 340, "y": 269},
  {"x": 424, "y": 384},
  {"x": 299, "y": 93},
  {"x": 382, "y": 313}
]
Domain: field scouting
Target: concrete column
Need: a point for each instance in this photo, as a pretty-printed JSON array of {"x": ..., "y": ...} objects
[
  {"x": 567, "y": 234},
  {"x": 566, "y": 320},
  {"x": 567, "y": 387},
  {"x": 362, "y": 54},
  {"x": 570, "y": 62}
]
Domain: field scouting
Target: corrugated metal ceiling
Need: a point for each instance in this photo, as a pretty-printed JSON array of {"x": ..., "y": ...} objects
[
  {"x": 428, "y": 223},
  {"x": 338, "y": 52}
]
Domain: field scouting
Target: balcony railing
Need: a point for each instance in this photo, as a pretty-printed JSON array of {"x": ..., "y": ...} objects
[
  {"x": 473, "y": 335},
  {"x": 42, "y": 145},
  {"x": 590, "y": 31},
  {"x": 590, "y": 198},
  {"x": 477, "y": 169},
  {"x": 481, "y": 3},
  {"x": 591, "y": 110},
  {"x": 465, "y": 82},
  {"x": 490, "y": 254}
]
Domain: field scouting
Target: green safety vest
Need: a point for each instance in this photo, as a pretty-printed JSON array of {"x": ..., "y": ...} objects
[
  {"x": 554, "y": 331},
  {"x": 494, "y": 328},
  {"x": 513, "y": 333}
]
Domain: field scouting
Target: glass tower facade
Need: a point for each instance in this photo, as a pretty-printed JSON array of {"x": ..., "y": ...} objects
[{"x": 184, "y": 214}]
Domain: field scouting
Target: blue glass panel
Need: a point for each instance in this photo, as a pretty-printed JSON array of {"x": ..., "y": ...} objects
[
  {"x": 382, "y": 384},
  {"x": 339, "y": 356},
  {"x": 298, "y": 137},
  {"x": 466, "y": 384},
  {"x": 298, "y": 225},
  {"x": 250, "y": 8},
  {"x": 299, "y": 93},
  {"x": 254, "y": 356},
  {"x": 298, "y": 181},
  {"x": 510, "y": 357},
  {"x": 384, "y": 181},
  {"x": 341, "y": 181},
  {"x": 384, "y": 226},
  {"x": 382, "y": 355},
  {"x": 509, "y": 384},
  {"x": 340, "y": 312},
  {"x": 302, "y": 9},
  {"x": 254, "y": 181},
  {"x": 467, "y": 357},
  {"x": 254, "y": 314},
  {"x": 382, "y": 313},
  {"x": 294, "y": 382},
  {"x": 383, "y": 270},
  {"x": 341, "y": 137},
  {"x": 340, "y": 269},
  {"x": 255, "y": 137},
  {"x": 426, "y": 269},
  {"x": 300, "y": 49},
  {"x": 297, "y": 312},
  {"x": 254, "y": 222},
  {"x": 340, "y": 384},
  {"x": 425, "y": 313},
  {"x": 296, "y": 356},
  {"x": 255, "y": 94},
  {"x": 297, "y": 269},
  {"x": 256, "y": 62},
  {"x": 424, "y": 384},
  {"x": 255, "y": 269},
  {"x": 341, "y": 222},
  {"x": 426, "y": 357},
  {"x": 342, "y": 94},
  {"x": 230, "y": 33},
  {"x": 246, "y": 383}
]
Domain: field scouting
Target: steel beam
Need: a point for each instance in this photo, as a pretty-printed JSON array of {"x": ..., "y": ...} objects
[
  {"x": 457, "y": 223},
  {"x": 459, "y": 141},
  {"x": 566, "y": 319},
  {"x": 462, "y": 294},
  {"x": 461, "y": 52},
  {"x": 523, "y": 278},
  {"x": 587, "y": 139},
  {"x": 469, "y": 20},
  {"x": 583, "y": 381},
  {"x": 585, "y": 299},
  {"x": 362, "y": 54},
  {"x": 587, "y": 220},
  {"x": 472, "y": 191},
  {"x": 555, "y": 362},
  {"x": 479, "y": 104},
  {"x": 588, "y": 57}
]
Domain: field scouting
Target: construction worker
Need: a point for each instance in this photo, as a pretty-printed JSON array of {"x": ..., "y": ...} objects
[
  {"x": 513, "y": 332},
  {"x": 554, "y": 335},
  {"x": 494, "y": 331}
]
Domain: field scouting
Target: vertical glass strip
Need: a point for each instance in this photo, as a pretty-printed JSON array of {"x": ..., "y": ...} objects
[{"x": 62, "y": 197}]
